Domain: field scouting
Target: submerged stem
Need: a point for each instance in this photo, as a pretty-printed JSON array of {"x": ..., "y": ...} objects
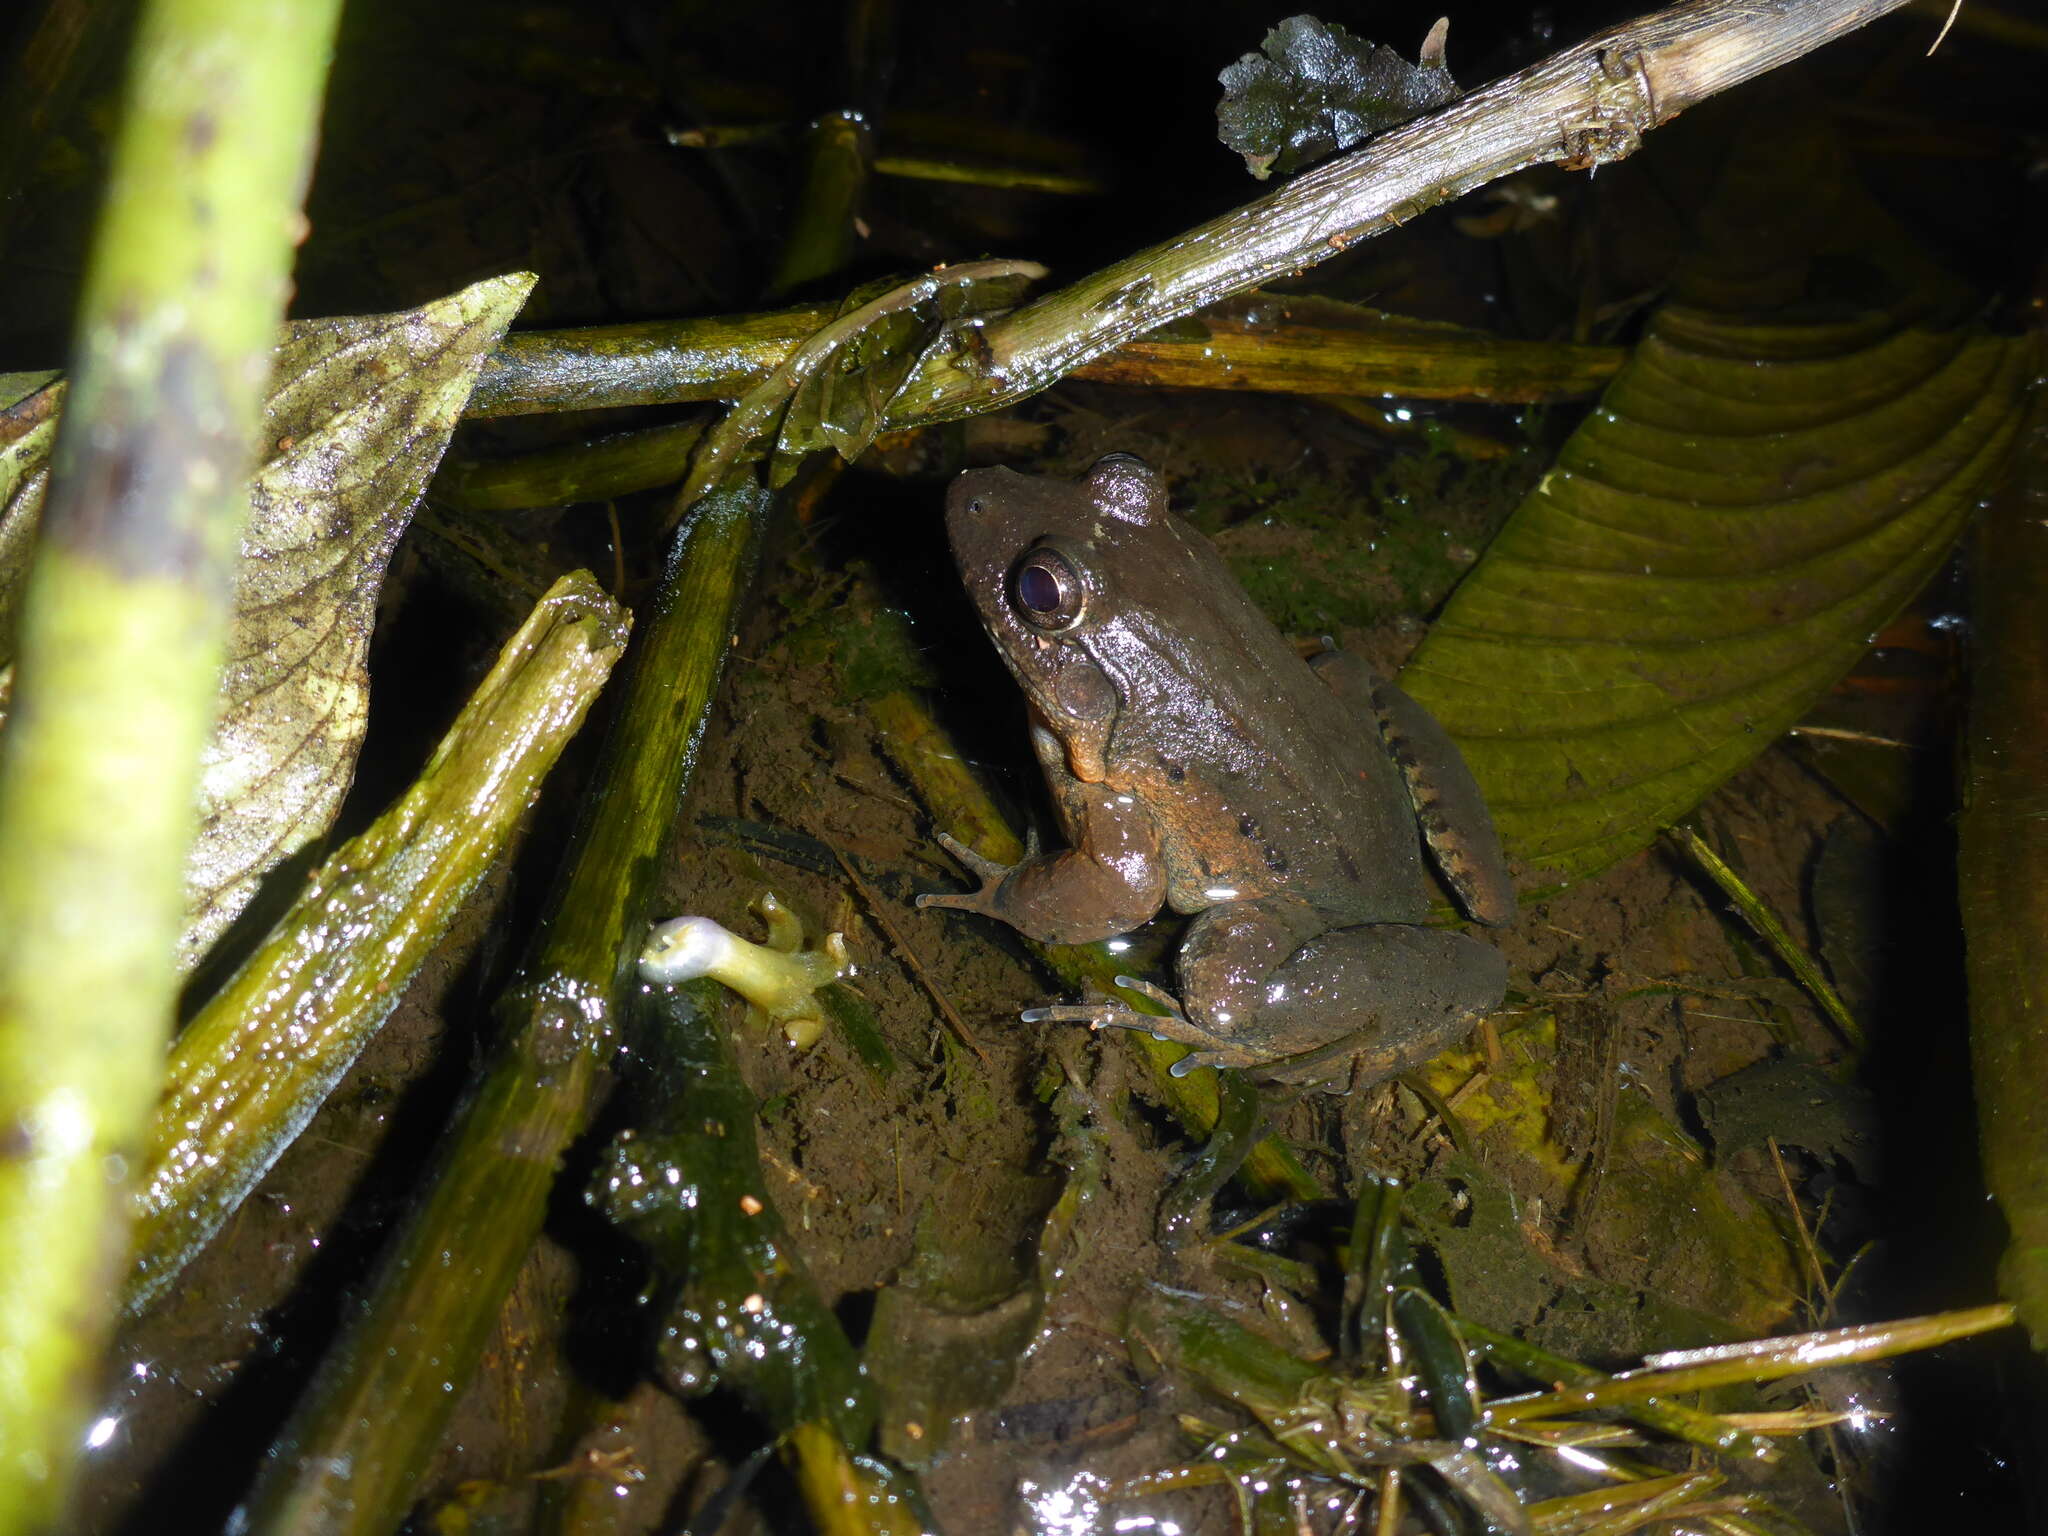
[{"x": 373, "y": 1418}]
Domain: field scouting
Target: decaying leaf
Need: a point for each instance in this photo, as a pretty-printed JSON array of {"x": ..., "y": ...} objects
[
  {"x": 1763, "y": 486},
  {"x": 1319, "y": 90},
  {"x": 359, "y": 414},
  {"x": 836, "y": 388}
]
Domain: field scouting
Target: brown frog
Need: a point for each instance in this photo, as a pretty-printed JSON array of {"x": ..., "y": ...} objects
[{"x": 1197, "y": 761}]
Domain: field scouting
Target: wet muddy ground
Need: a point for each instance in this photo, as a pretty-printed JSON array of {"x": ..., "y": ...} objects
[{"x": 1608, "y": 1186}]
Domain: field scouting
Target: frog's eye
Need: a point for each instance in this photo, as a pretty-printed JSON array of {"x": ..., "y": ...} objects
[{"x": 1048, "y": 590}]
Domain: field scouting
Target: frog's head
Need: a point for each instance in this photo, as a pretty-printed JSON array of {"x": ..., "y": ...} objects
[{"x": 1074, "y": 581}]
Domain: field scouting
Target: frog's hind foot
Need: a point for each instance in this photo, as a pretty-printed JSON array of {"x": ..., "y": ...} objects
[{"x": 1206, "y": 1049}]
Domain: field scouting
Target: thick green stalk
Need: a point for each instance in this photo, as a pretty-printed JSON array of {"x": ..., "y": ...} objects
[
  {"x": 604, "y": 365},
  {"x": 2002, "y": 852},
  {"x": 120, "y": 645},
  {"x": 839, "y": 152},
  {"x": 371, "y": 1421},
  {"x": 248, "y": 1072},
  {"x": 839, "y": 157},
  {"x": 617, "y": 465}
]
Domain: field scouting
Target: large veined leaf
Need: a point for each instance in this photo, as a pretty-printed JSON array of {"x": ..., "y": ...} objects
[
  {"x": 1757, "y": 493},
  {"x": 359, "y": 414}
]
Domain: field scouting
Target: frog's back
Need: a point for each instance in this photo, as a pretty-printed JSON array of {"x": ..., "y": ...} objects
[{"x": 1264, "y": 779}]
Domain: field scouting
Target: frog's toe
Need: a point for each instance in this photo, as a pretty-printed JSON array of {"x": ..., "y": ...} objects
[
  {"x": 1205, "y": 1049},
  {"x": 987, "y": 870},
  {"x": 1094, "y": 1015},
  {"x": 1157, "y": 994}
]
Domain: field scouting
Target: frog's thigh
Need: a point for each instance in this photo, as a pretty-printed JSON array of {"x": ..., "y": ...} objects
[
  {"x": 1229, "y": 952},
  {"x": 1407, "y": 991}
]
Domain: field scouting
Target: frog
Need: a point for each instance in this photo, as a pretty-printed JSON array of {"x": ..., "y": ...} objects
[{"x": 1198, "y": 761}]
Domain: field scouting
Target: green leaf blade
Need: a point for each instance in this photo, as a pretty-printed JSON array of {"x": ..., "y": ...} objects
[{"x": 1720, "y": 539}]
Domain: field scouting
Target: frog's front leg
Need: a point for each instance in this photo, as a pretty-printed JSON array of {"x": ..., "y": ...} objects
[
  {"x": 1269, "y": 985},
  {"x": 1108, "y": 883}
]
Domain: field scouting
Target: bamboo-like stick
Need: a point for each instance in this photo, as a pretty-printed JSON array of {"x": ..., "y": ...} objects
[
  {"x": 120, "y": 646},
  {"x": 615, "y": 465},
  {"x": 1584, "y": 107},
  {"x": 1258, "y": 342},
  {"x": 247, "y": 1074}
]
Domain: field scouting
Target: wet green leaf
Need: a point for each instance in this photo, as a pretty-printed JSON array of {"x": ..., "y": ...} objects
[
  {"x": 359, "y": 414},
  {"x": 1319, "y": 90},
  {"x": 1756, "y": 495},
  {"x": 844, "y": 403}
]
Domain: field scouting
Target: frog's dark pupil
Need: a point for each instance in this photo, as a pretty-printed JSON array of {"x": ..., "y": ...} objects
[{"x": 1038, "y": 589}]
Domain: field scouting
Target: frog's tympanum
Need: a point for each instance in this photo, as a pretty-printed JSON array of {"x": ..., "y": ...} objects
[{"x": 1197, "y": 761}]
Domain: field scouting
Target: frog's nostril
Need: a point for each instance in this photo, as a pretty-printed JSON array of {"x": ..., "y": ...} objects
[{"x": 974, "y": 505}]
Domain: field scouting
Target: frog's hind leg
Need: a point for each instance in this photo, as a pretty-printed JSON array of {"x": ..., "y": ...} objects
[
  {"x": 1448, "y": 806},
  {"x": 1274, "y": 984}
]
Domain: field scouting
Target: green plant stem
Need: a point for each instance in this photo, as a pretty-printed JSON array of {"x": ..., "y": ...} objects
[
  {"x": 2002, "y": 852},
  {"x": 611, "y": 365},
  {"x": 1758, "y": 1361},
  {"x": 1256, "y": 341},
  {"x": 373, "y": 1418},
  {"x": 1765, "y": 922},
  {"x": 839, "y": 152},
  {"x": 839, "y": 157},
  {"x": 616, "y": 465},
  {"x": 120, "y": 647},
  {"x": 249, "y": 1071},
  {"x": 911, "y": 167},
  {"x": 1302, "y": 344},
  {"x": 1709, "y": 1431}
]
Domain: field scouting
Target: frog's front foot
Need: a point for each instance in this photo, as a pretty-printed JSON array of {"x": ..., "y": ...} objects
[
  {"x": 990, "y": 873},
  {"x": 1208, "y": 1049}
]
